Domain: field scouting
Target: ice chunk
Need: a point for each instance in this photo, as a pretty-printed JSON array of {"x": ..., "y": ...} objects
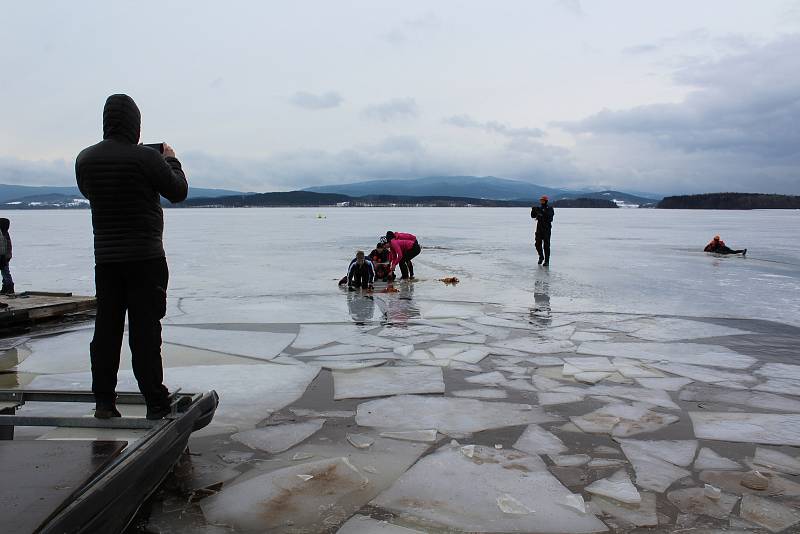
[
  {"x": 605, "y": 449},
  {"x": 520, "y": 385},
  {"x": 691, "y": 353},
  {"x": 543, "y": 383},
  {"x": 441, "y": 489},
  {"x": 536, "y": 440},
  {"x": 361, "y": 524},
  {"x": 448, "y": 350},
  {"x": 618, "y": 487},
  {"x": 677, "y": 452},
  {"x": 777, "y": 385},
  {"x": 780, "y": 370},
  {"x": 360, "y": 441},
  {"x": 347, "y": 366},
  {"x": 603, "y": 463},
  {"x": 278, "y": 438},
  {"x": 766, "y": 401},
  {"x": 269, "y": 500},
  {"x": 461, "y": 366},
  {"x": 591, "y": 377},
  {"x": 536, "y": 345},
  {"x": 471, "y": 355},
  {"x": 261, "y": 345},
  {"x": 495, "y": 378},
  {"x": 325, "y": 414},
  {"x": 488, "y": 320},
  {"x": 708, "y": 459},
  {"x": 770, "y": 429},
  {"x": 509, "y": 505},
  {"x": 570, "y": 460},
  {"x": 777, "y": 461},
  {"x": 479, "y": 339},
  {"x": 651, "y": 396},
  {"x": 312, "y": 336},
  {"x": 703, "y": 374},
  {"x": 665, "y": 384},
  {"x": 623, "y": 420},
  {"x": 442, "y": 311},
  {"x": 490, "y": 331},
  {"x": 767, "y": 513},
  {"x": 641, "y": 515},
  {"x": 575, "y": 501},
  {"x": 404, "y": 351},
  {"x": 560, "y": 332},
  {"x": 339, "y": 350},
  {"x": 673, "y": 329},
  {"x": 446, "y": 414},
  {"x": 483, "y": 393},
  {"x": 695, "y": 501},
  {"x": 387, "y": 381},
  {"x": 591, "y": 364},
  {"x": 235, "y": 457},
  {"x": 513, "y": 369},
  {"x": 652, "y": 472},
  {"x": 427, "y": 436},
  {"x": 552, "y": 398},
  {"x": 545, "y": 361},
  {"x": 569, "y": 370},
  {"x": 589, "y": 336},
  {"x": 738, "y": 482},
  {"x": 362, "y": 357}
]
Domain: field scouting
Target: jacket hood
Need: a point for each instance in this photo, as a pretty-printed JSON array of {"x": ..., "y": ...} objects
[
  {"x": 121, "y": 119},
  {"x": 4, "y": 224}
]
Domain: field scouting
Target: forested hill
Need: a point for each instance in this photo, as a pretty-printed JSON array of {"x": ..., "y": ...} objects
[
  {"x": 584, "y": 203},
  {"x": 310, "y": 199},
  {"x": 730, "y": 201}
]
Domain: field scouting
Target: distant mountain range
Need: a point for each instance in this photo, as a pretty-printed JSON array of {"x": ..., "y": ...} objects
[
  {"x": 28, "y": 192},
  {"x": 486, "y": 187}
]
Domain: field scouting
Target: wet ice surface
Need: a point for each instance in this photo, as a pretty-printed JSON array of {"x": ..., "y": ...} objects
[{"x": 590, "y": 378}]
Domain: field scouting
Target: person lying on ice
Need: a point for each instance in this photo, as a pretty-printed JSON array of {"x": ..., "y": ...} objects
[
  {"x": 402, "y": 249},
  {"x": 718, "y": 246},
  {"x": 360, "y": 273},
  {"x": 380, "y": 260}
]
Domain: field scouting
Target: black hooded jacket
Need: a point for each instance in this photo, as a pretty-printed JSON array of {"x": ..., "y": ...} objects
[
  {"x": 123, "y": 182},
  {"x": 5, "y": 224},
  {"x": 544, "y": 218}
]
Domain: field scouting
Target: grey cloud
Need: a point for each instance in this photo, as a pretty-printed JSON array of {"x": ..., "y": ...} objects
[
  {"x": 465, "y": 121},
  {"x": 395, "y": 108},
  {"x": 413, "y": 28},
  {"x": 23, "y": 172},
  {"x": 328, "y": 100}
]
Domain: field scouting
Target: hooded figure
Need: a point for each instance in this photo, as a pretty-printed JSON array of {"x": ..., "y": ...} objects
[
  {"x": 543, "y": 213},
  {"x": 5, "y": 257},
  {"x": 124, "y": 182}
]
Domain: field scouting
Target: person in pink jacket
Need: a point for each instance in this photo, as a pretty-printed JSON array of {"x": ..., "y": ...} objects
[{"x": 403, "y": 248}]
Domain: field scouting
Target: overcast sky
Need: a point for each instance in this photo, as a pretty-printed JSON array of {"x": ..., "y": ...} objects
[{"x": 665, "y": 97}]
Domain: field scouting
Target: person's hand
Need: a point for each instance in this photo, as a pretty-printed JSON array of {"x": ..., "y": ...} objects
[{"x": 168, "y": 151}]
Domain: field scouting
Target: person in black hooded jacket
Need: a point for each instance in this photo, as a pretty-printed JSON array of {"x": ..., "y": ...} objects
[
  {"x": 5, "y": 257},
  {"x": 124, "y": 182}
]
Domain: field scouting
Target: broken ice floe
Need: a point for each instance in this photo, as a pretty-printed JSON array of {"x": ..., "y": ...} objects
[
  {"x": 770, "y": 429},
  {"x": 778, "y": 385},
  {"x": 777, "y": 461},
  {"x": 772, "y": 515},
  {"x": 535, "y": 345},
  {"x": 704, "y": 374},
  {"x": 691, "y": 353},
  {"x": 481, "y": 393},
  {"x": 666, "y": 384},
  {"x": 674, "y": 329},
  {"x": 641, "y": 515},
  {"x": 570, "y": 460},
  {"x": 708, "y": 459},
  {"x": 536, "y": 440},
  {"x": 553, "y": 398},
  {"x": 753, "y": 399},
  {"x": 696, "y": 501},
  {"x": 618, "y": 487},
  {"x": 361, "y": 524},
  {"x": 623, "y": 420},
  {"x": 312, "y": 336},
  {"x": 261, "y": 345},
  {"x": 278, "y": 438},
  {"x": 376, "y": 382},
  {"x": 360, "y": 441},
  {"x": 446, "y": 414},
  {"x": 654, "y": 464},
  {"x": 427, "y": 436},
  {"x": 780, "y": 370},
  {"x": 347, "y": 365},
  {"x": 440, "y": 490},
  {"x": 752, "y": 482}
]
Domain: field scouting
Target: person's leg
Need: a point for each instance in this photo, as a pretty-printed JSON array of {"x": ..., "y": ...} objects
[
  {"x": 403, "y": 269},
  {"x": 538, "y": 244},
  {"x": 361, "y": 278},
  {"x": 546, "y": 246},
  {"x": 412, "y": 253},
  {"x": 8, "y": 282},
  {"x": 109, "y": 325},
  {"x": 147, "y": 296},
  {"x": 725, "y": 250}
]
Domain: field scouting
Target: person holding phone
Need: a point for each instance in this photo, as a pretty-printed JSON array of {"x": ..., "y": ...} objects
[
  {"x": 124, "y": 181},
  {"x": 543, "y": 213}
]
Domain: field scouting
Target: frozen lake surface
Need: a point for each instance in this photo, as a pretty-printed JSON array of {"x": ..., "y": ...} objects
[{"x": 637, "y": 382}]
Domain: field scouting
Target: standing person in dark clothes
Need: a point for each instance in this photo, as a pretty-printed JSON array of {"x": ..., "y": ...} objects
[
  {"x": 403, "y": 248},
  {"x": 5, "y": 257},
  {"x": 718, "y": 246},
  {"x": 380, "y": 260},
  {"x": 124, "y": 182},
  {"x": 360, "y": 273},
  {"x": 543, "y": 213}
]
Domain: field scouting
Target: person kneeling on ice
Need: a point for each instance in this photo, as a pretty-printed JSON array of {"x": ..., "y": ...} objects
[
  {"x": 718, "y": 246},
  {"x": 361, "y": 272},
  {"x": 403, "y": 248},
  {"x": 380, "y": 260}
]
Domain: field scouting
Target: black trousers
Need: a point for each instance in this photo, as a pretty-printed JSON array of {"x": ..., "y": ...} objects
[
  {"x": 140, "y": 289},
  {"x": 359, "y": 276},
  {"x": 543, "y": 244},
  {"x": 406, "y": 267},
  {"x": 726, "y": 250}
]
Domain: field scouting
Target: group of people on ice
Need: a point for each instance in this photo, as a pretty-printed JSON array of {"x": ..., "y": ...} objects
[{"x": 392, "y": 250}]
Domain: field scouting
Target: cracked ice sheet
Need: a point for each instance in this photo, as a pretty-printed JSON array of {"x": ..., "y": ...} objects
[
  {"x": 777, "y": 460},
  {"x": 312, "y": 336},
  {"x": 623, "y": 420},
  {"x": 261, "y": 345},
  {"x": 677, "y": 452},
  {"x": 278, "y": 438},
  {"x": 652, "y": 472},
  {"x": 707, "y": 459},
  {"x": 774, "y": 516},
  {"x": 770, "y": 429},
  {"x": 691, "y": 353},
  {"x": 672, "y": 329},
  {"x": 536, "y": 440},
  {"x": 481, "y": 393},
  {"x": 643, "y": 515},
  {"x": 448, "y": 311},
  {"x": 361, "y": 524},
  {"x": 703, "y": 374},
  {"x": 385, "y": 381},
  {"x": 247, "y": 393},
  {"x": 753, "y": 399},
  {"x": 446, "y": 414},
  {"x": 777, "y": 385},
  {"x": 440, "y": 490},
  {"x": 780, "y": 370},
  {"x": 618, "y": 487},
  {"x": 535, "y": 345},
  {"x": 655, "y": 397},
  {"x": 665, "y": 384}
]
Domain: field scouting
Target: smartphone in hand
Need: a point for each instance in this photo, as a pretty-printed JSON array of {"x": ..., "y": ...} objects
[{"x": 159, "y": 147}]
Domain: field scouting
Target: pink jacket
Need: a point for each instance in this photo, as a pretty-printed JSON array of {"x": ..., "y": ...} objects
[
  {"x": 405, "y": 237},
  {"x": 397, "y": 248}
]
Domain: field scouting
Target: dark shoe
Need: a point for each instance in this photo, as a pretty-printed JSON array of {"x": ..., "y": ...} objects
[
  {"x": 744, "y": 252},
  {"x": 541, "y": 260},
  {"x": 546, "y": 262},
  {"x": 157, "y": 412},
  {"x": 106, "y": 412},
  {"x": 7, "y": 290}
]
